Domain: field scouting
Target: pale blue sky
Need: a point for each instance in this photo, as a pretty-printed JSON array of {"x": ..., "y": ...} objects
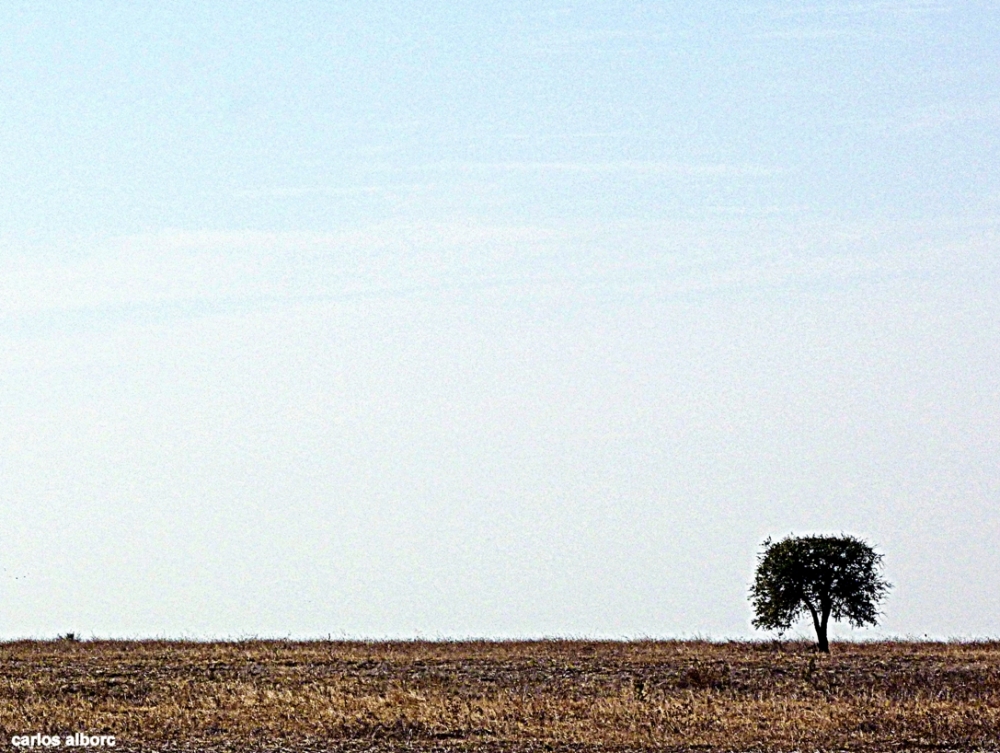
[{"x": 385, "y": 319}]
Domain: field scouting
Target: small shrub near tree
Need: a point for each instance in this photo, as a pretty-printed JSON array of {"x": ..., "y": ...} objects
[{"x": 822, "y": 576}]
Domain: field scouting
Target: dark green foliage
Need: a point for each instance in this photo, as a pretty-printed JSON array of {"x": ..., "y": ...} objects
[{"x": 824, "y": 576}]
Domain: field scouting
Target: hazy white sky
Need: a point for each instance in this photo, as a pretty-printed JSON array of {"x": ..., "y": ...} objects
[{"x": 494, "y": 319}]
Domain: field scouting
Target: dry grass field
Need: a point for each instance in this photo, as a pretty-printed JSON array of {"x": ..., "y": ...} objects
[{"x": 505, "y": 696}]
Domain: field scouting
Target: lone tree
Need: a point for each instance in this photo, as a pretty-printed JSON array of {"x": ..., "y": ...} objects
[{"x": 838, "y": 576}]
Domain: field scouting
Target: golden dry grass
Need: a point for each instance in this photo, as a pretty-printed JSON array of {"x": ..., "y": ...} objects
[{"x": 510, "y": 696}]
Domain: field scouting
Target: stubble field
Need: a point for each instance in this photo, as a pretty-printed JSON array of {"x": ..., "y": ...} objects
[{"x": 505, "y": 696}]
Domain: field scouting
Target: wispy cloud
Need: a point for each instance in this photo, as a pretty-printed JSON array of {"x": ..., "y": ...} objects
[
  {"x": 740, "y": 210},
  {"x": 621, "y": 39},
  {"x": 178, "y": 273},
  {"x": 842, "y": 11},
  {"x": 818, "y": 33},
  {"x": 772, "y": 21},
  {"x": 297, "y": 192},
  {"x": 570, "y": 136},
  {"x": 930, "y": 118},
  {"x": 692, "y": 170},
  {"x": 857, "y": 21},
  {"x": 944, "y": 115}
]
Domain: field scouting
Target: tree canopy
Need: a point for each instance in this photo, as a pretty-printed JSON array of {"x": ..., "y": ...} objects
[{"x": 824, "y": 576}]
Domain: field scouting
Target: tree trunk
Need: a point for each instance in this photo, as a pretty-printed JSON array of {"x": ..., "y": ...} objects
[{"x": 822, "y": 644}]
